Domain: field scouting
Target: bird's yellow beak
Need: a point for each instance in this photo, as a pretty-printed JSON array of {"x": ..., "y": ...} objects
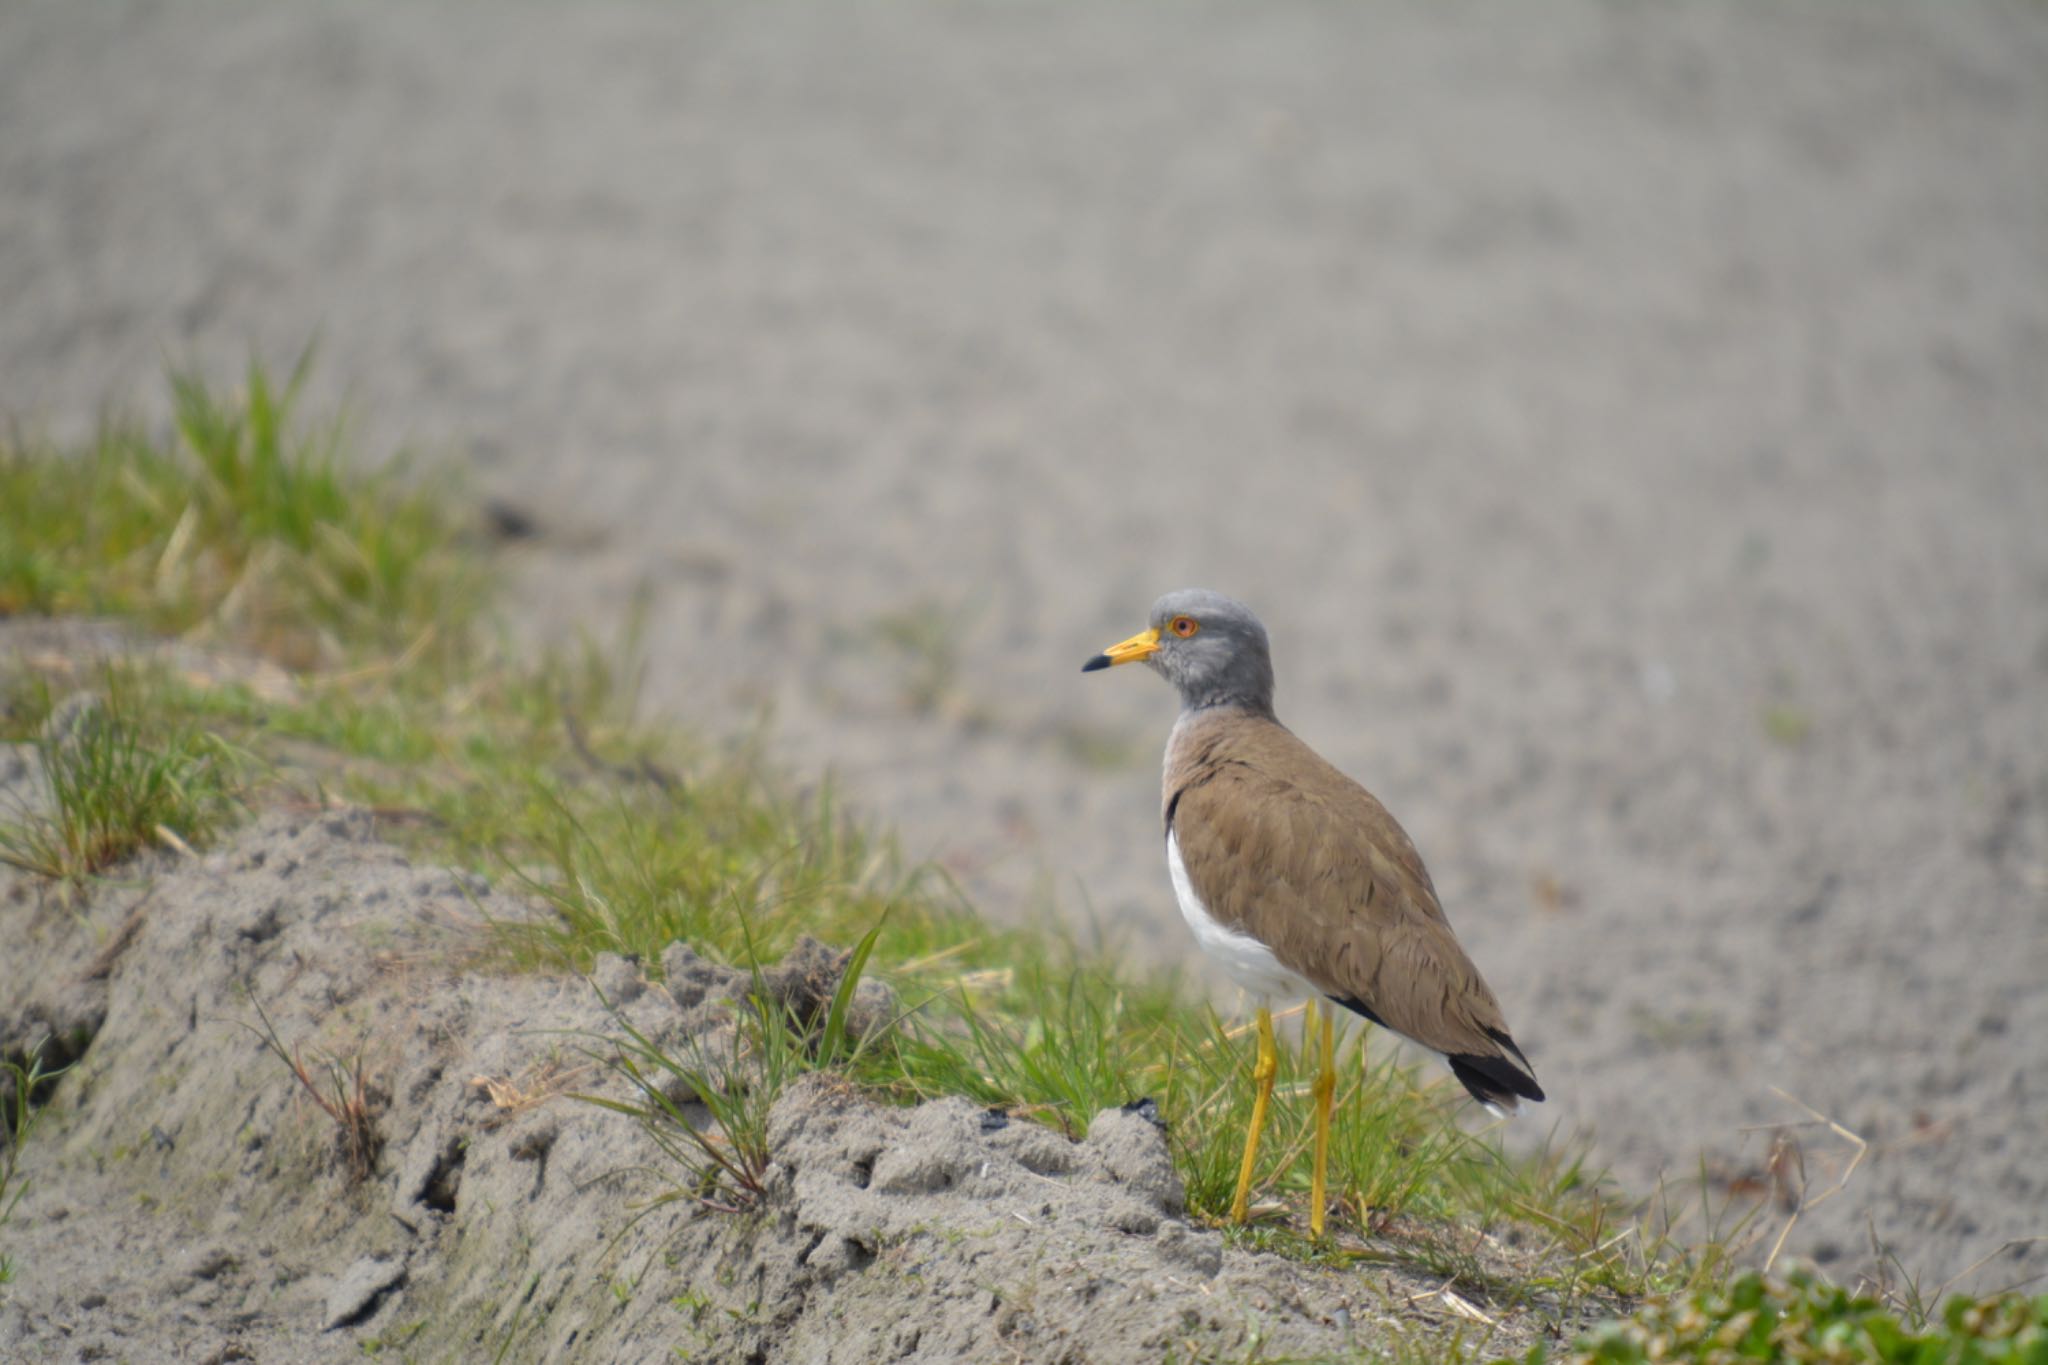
[{"x": 1143, "y": 645}]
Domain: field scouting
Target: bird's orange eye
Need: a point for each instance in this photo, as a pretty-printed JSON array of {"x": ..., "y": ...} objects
[{"x": 1184, "y": 626}]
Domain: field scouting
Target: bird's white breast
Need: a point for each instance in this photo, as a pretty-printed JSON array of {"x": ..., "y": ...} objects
[{"x": 1251, "y": 964}]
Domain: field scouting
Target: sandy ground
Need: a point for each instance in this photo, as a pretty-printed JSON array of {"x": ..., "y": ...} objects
[{"x": 1629, "y": 421}]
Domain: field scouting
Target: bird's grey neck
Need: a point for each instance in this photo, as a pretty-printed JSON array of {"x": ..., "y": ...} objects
[
  {"x": 1231, "y": 699},
  {"x": 1243, "y": 682}
]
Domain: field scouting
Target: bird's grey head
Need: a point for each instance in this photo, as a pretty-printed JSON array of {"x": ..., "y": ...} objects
[{"x": 1209, "y": 646}]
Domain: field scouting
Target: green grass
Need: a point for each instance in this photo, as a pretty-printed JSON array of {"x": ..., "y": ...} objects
[
  {"x": 239, "y": 527},
  {"x": 726, "y": 1152},
  {"x": 1804, "y": 1318},
  {"x": 119, "y": 773},
  {"x": 21, "y": 1084},
  {"x": 244, "y": 526}
]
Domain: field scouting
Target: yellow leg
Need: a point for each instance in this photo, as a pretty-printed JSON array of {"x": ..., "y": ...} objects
[
  {"x": 1364, "y": 1075},
  {"x": 1325, "y": 1092},
  {"x": 1263, "y": 1072}
]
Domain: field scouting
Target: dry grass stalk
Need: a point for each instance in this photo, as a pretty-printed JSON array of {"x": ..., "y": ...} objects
[{"x": 348, "y": 1100}]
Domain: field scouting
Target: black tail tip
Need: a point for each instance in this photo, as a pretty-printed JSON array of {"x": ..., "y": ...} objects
[{"x": 1495, "y": 1082}]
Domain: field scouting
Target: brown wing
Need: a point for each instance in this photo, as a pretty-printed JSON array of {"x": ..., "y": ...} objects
[{"x": 1284, "y": 847}]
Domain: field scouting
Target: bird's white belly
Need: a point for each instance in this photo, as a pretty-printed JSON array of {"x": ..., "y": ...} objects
[{"x": 1250, "y": 963}]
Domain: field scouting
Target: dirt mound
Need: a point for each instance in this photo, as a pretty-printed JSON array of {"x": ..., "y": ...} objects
[{"x": 191, "y": 1201}]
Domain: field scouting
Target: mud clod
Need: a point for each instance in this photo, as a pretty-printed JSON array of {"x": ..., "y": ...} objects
[
  {"x": 1132, "y": 1149},
  {"x": 355, "y": 1295},
  {"x": 693, "y": 979},
  {"x": 617, "y": 979},
  {"x": 806, "y": 980}
]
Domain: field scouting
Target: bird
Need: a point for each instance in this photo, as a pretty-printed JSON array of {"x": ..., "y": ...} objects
[{"x": 1298, "y": 881}]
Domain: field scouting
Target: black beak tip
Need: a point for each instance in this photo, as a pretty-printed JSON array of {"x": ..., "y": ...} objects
[{"x": 1100, "y": 661}]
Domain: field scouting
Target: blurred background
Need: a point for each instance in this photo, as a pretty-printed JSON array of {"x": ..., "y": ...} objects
[{"x": 1630, "y": 421}]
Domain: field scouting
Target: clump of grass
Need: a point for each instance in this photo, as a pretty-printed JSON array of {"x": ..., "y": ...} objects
[
  {"x": 1061, "y": 1036},
  {"x": 117, "y": 775},
  {"x": 340, "y": 1091},
  {"x": 702, "y": 1108},
  {"x": 19, "y": 1115},
  {"x": 724, "y": 862},
  {"x": 707, "y": 1109},
  {"x": 245, "y": 523}
]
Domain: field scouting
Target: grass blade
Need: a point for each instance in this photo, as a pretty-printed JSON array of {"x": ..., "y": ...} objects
[{"x": 834, "y": 1039}]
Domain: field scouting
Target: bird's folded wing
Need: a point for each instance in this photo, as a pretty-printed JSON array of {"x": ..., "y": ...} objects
[{"x": 1312, "y": 865}]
